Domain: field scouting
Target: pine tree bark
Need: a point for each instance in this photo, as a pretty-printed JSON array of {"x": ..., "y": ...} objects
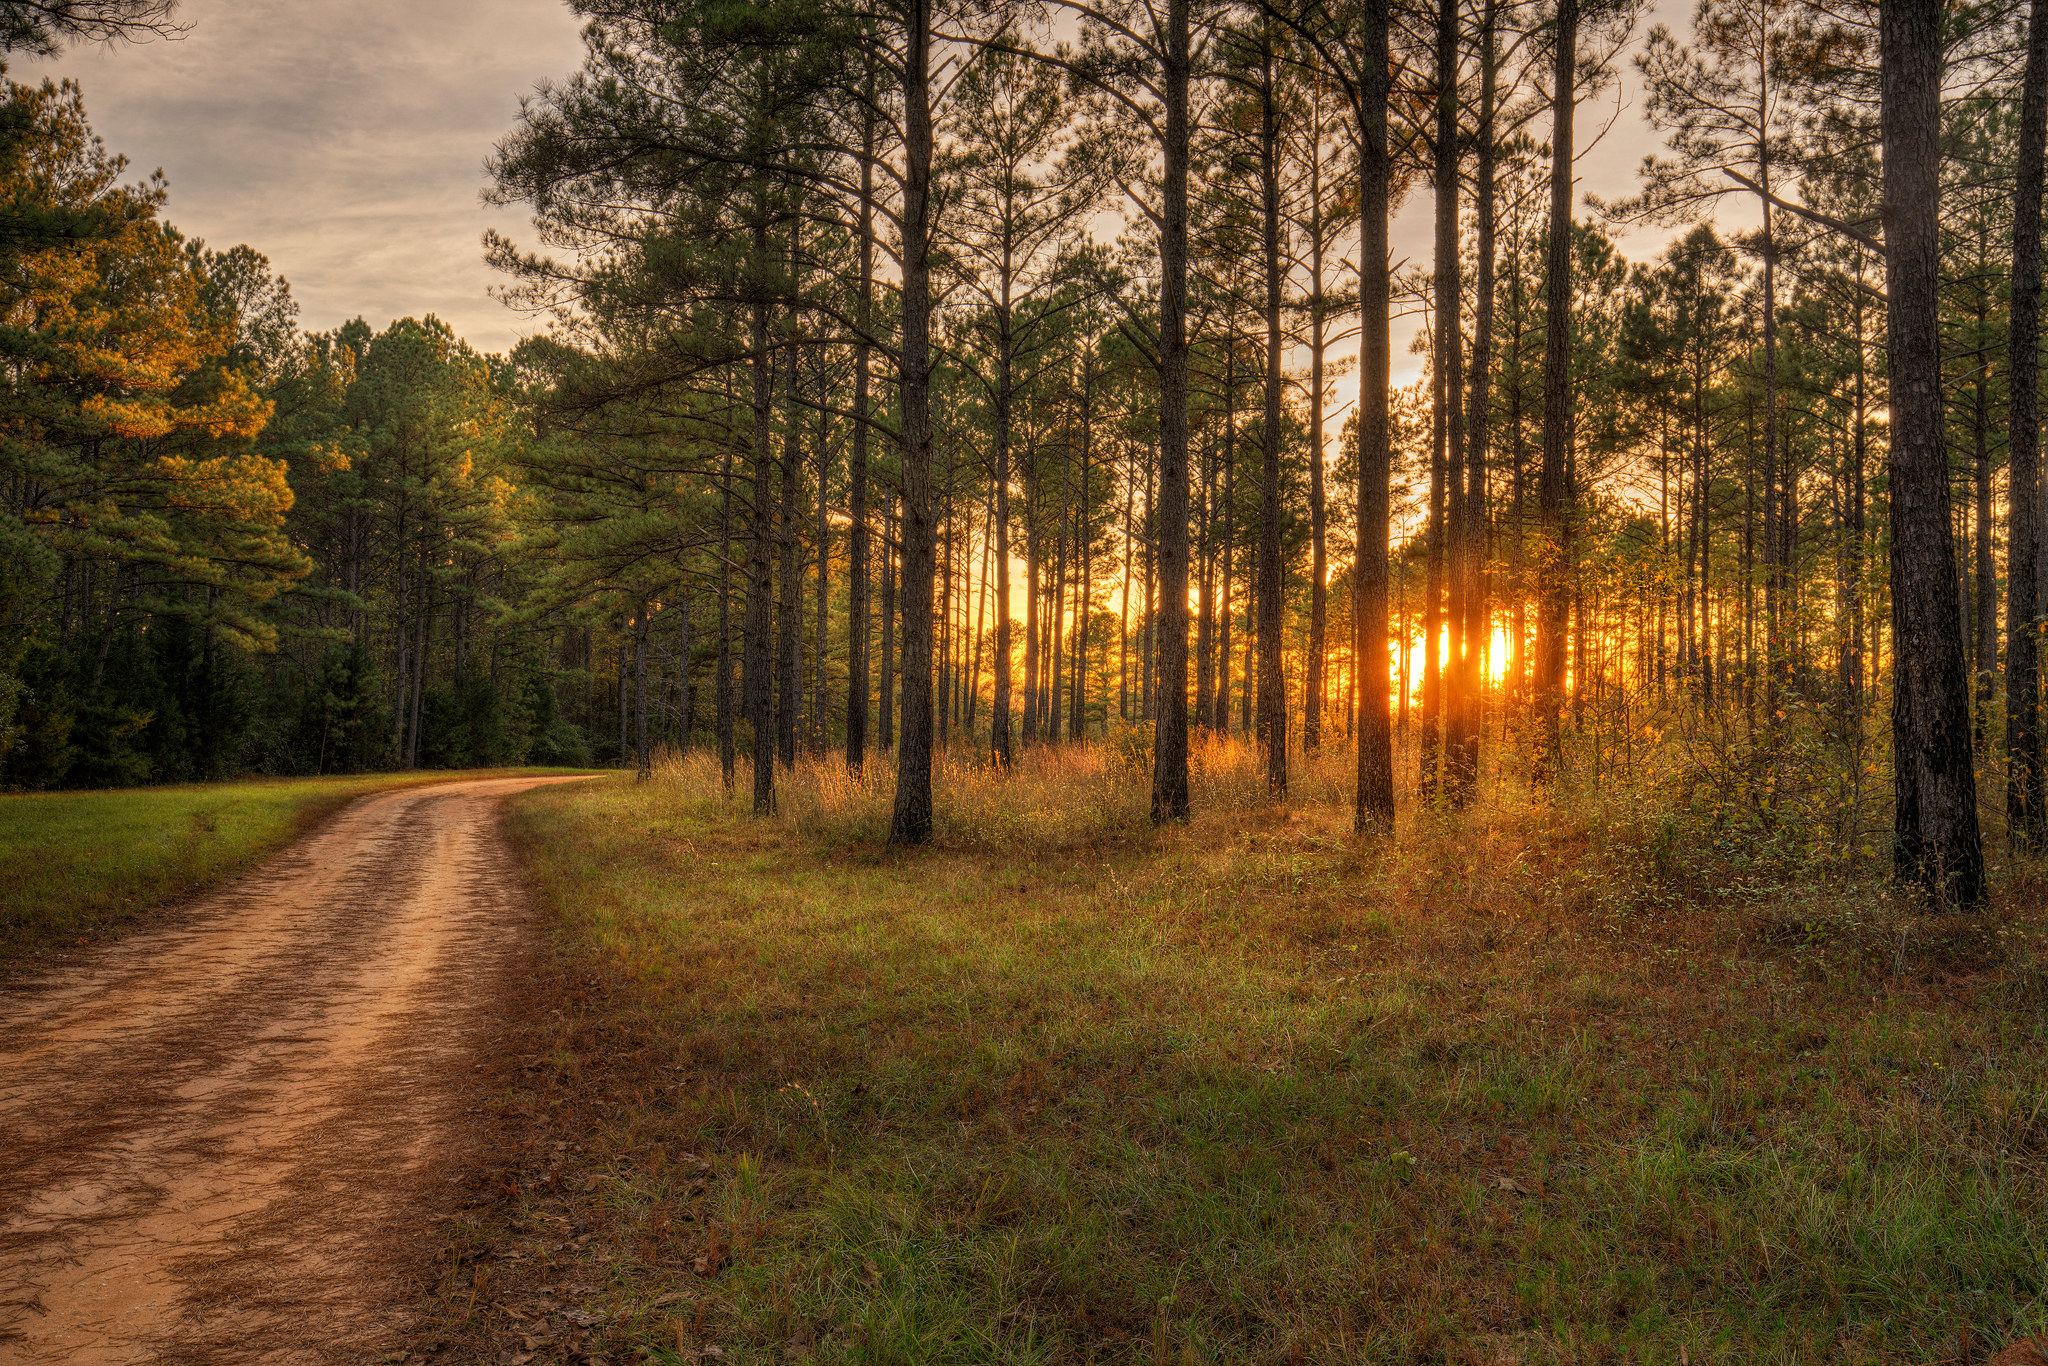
[
  {"x": 722, "y": 699},
  {"x": 1056, "y": 618},
  {"x": 1170, "y": 738},
  {"x": 1148, "y": 628},
  {"x": 911, "y": 821},
  {"x": 1462, "y": 758},
  {"x": 1123, "y": 644},
  {"x": 822, "y": 535},
  {"x": 756, "y": 648},
  {"x": 644, "y": 759},
  {"x": 1984, "y": 660},
  {"x": 1205, "y": 592},
  {"x": 886, "y": 707},
  {"x": 1780, "y": 521},
  {"x": 999, "y": 713},
  {"x": 1852, "y": 605},
  {"x": 685, "y": 698},
  {"x": 1374, "y": 813},
  {"x": 1318, "y": 512},
  {"x": 2026, "y": 822},
  {"x": 946, "y": 543},
  {"x": 1936, "y": 845},
  {"x": 1440, "y": 708},
  {"x": 981, "y": 604},
  {"x": 1084, "y": 581},
  {"x": 789, "y": 609},
  {"x": 1033, "y": 594},
  {"x": 857, "y": 476},
  {"x": 1221, "y": 705},
  {"x": 1551, "y": 489},
  {"x": 1272, "y": 720}
]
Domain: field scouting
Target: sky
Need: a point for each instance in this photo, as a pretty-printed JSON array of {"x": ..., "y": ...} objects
[{"x": 345, "y": 140}]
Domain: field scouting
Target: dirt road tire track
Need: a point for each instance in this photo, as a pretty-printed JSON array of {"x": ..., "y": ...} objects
[{"x": 222, "y": 1141}]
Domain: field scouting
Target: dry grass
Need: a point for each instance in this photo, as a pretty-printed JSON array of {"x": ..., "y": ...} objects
[
  {"x": 1513, "y": 1088},
  {"x": 1053, "y": 798}
]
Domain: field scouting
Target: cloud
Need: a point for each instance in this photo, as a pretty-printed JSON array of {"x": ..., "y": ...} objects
[{"x": 345, "y": 141}]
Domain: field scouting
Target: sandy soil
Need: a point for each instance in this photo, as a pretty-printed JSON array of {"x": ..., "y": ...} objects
[{"x": 215, "y": 1137}]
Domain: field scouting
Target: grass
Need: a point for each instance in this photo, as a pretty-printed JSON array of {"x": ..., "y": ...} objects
[
  {"x": 77, "y": 865},
  {"x": 1064, "y": 1089}
]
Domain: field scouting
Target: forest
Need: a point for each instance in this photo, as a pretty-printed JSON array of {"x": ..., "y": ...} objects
[
  {"x": 923, "y": 385},
  {"x": 1105, "y": 681}
]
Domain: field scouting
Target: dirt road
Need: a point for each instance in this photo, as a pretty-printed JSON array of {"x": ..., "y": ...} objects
[{"x": 213, "y": 1136}]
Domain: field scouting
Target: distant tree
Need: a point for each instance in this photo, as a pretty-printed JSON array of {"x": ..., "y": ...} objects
[
  {"x": 1022, "y": 195},
  {"x": 133, "y": 488}
]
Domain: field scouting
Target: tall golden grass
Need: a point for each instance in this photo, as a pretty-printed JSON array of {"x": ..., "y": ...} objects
[{"x": 1052, "y": 796}]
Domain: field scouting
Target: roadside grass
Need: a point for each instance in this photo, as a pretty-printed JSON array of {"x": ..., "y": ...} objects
[
  {"x": 75, "y": 865},
  {"x": 1066, "y": 1089}
]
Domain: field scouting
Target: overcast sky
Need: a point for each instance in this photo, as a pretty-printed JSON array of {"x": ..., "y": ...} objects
[{"x": 345, "y": 140}]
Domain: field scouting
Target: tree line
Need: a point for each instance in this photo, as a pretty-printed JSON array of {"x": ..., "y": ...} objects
[{"x": 980, "y": 376}]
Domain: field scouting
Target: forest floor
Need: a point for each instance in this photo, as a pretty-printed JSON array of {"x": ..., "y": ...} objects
[
  {"x": 78, "y": 867},
  {"x": 231, "y": 1138},
  {"x": 1518, "y": 1087}
]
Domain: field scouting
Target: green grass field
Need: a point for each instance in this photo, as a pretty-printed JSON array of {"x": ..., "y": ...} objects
[
  {"x": 1064, "y": 1089},
  {"x": 74, "y": 865}
]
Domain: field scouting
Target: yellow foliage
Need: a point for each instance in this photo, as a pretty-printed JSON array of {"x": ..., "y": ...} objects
[
  {"x": 243, "y": 485},
  {"x": 126, "y": 413}
]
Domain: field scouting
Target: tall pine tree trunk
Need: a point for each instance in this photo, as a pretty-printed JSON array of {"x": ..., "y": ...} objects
[
  {"x": 1272, "y": 721},
  {"x": 1375, "y": 795},
  {"x": 1937, "y": 848},
  {"x": 823, "y": 535},
  {"x": 911, "y": 821},
  {"x": 1440, "y": 709},
  {"x": 1077, "y": 722},
  {"x": 685, "y": 702},
  {"x": 789, "y": 609},
  {"x": 757, "y": 648},
  {"x": 1551, "y": 490},
  {"x": 1170, "y": 738},
  {"x": 1318, "y": 512},
  {"x": 857, "y": 475},
  {"x": 1032, "y": 615},
  {"x": 886, "y": 720},
  {"x": 1462, "y": 758},
  {"x": 2024, "y": 805},
  {"x": 728, "y": 753},
  {"x": 643, "y": 758},
  {"x": 1205, "y": 593},
  {"x": 999, "y": 713},
  {"x": 1222, "y": 701},
  {"x": 1984, "y": 663}
]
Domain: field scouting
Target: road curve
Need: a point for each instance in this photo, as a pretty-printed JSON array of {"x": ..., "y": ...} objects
[{"x": 210, "y": 1134}]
